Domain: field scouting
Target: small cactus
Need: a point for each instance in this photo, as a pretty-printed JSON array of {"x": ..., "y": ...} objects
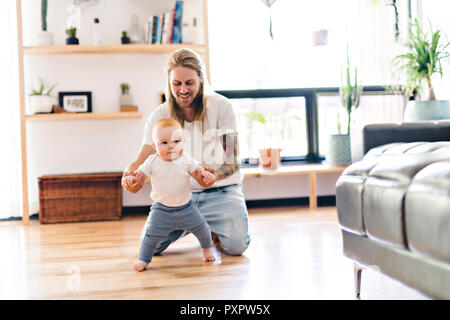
[
  {"x": 350, "y": 94},
  {"x": 44, "y": 15}
]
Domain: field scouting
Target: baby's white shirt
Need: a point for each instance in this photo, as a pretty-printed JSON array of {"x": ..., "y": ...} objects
[
  {"x": 205, "y": 147},
  {"x": 170, "y": 179}
]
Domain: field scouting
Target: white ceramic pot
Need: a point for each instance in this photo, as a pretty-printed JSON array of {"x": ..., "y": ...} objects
[
  {"x": 126, "y": 100},
  {"x": 426, "y": 110},
  {"x": 44, "y": 38},
  {"x": 42, "y": 104}
]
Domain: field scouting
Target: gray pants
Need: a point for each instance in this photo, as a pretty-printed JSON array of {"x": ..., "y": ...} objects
[{"x": 164, "y": 219}]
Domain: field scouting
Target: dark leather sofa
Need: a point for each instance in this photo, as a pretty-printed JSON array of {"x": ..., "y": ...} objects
[{"x": 394, "y": 205}]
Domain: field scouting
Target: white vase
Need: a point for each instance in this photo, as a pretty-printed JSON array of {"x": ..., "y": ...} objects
[
  {"x": 44, "y": 38},
  {"x": 42, "y": 104},
  {"x": 126, "y": 100}
]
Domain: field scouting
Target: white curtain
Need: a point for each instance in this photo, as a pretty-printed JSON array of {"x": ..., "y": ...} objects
[{"x": 10, "y": 159}]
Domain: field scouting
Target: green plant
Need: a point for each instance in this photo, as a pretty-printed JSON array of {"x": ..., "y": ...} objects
[
  {"x": 124, "y": 34},
  {"x": 71, "y": 32},
  {"x": 125, "y": 88},
  {"x": 44, "y": 6},
  {"x": 350, "y": 94},
  {"x": 267, "y": 121},
  {"x": 424, "y": 57},
  {"x": 43, "y": 89}
]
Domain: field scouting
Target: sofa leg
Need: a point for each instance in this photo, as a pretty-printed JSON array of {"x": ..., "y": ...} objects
[{"x": 357, "y": 269}]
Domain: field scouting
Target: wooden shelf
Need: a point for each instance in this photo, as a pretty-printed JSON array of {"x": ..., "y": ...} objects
[
  {"x": 83, "y": 116},
  {"x": 110, "y": 49},
  {"x": 293, "y": 170},
  {"x": 312, "y": 170}
]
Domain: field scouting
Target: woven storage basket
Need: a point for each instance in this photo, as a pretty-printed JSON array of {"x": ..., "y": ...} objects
[{"x": 80, "y": 197}]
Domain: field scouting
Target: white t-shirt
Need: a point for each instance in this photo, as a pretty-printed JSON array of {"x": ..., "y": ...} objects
[
  {"x": 170, "y": 179},
  {"x": 206, "y": 148}
]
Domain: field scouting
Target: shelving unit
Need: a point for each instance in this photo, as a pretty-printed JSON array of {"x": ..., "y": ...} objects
[
  {"x": 83, "y": 116},
  {"x": 110, "y": 49},
  {"x": 84, "y": 49}
]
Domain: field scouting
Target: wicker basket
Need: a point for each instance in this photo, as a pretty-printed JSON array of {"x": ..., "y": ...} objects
[{"x": 80, "y": 197}]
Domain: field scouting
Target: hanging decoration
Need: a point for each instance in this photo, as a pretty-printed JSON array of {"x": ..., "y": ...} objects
[
  {"x": 394, "y": 4},
  {"x": 269, "y": 3}
]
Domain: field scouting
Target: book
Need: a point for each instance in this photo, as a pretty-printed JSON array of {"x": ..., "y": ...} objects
[
  {"x": 177, "y": 22},
  {"x": 167, "y": 27},
  {"x": 150, "y": 30},
  {"x": 155, "y": 23},
  {"x": 157, "y": 29},
  {"x": 160, "y": 28},
  {"x": 172, "y": 17}
]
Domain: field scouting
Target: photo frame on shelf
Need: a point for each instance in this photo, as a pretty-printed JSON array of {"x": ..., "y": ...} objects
[{"x": 77, "y": 101}]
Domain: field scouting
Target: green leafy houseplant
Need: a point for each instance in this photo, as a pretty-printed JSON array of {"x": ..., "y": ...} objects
[
  {"x": 41, "y": 100},
  {"x": 42, "y": 89},
  {"x": 125, "y": 88},
  {"x": 125, "y": 98},
  {"x": 424, "y": 55},
  {"x": 71, "y": 32}
]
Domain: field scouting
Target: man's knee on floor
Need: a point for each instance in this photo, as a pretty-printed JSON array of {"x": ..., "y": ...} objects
[{"x": 234, "y": 247}]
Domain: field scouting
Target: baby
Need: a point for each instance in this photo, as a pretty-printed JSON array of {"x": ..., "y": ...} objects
[{"x": 172, "y": 207}]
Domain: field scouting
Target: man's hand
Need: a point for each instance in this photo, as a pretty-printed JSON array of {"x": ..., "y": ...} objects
[
  {"x": 208, "y": 177},
  {"x": 133, "y": 181},
  {"x": 200, "y": 173}
]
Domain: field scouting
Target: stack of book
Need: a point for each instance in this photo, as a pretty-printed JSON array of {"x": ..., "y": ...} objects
[{"x": 166, "y": 28}]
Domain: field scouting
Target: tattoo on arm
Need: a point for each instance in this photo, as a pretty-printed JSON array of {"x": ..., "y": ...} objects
[{"x": 231, "y": 164}]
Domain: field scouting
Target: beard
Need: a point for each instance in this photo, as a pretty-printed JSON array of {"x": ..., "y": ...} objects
[{"x": 195, "y": 104}]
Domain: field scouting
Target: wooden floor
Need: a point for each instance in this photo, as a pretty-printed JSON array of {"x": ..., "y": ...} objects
[{"x": 295, "y": 253}]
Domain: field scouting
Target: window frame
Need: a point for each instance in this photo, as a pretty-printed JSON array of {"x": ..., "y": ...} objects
[{"x": 311, "y": 96}]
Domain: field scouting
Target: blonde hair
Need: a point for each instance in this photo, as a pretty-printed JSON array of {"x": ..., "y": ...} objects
[
  {"x": 188, "y": 59},
  {"x": 164, "y": 123}
]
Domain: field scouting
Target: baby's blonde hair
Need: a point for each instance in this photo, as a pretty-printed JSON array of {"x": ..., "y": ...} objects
[{"x": 164, "y": 123}]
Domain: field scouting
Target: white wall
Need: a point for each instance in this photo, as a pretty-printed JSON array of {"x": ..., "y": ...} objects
[{"x": 109, "y": 145}]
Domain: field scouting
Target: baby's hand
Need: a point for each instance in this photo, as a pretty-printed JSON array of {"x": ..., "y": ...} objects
[
  {"x": 129, "y": 181},
  {"x": 208, "y": 177},
  {"x": 133, "y": 181}
]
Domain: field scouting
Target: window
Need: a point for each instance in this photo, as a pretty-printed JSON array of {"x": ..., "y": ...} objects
[
  {"x": 295, "y": 80},
  {"x": 376, "y": 106},
  {"x": 285, "y": 126}
]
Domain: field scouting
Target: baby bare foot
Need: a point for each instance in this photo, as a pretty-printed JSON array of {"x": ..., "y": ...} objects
[
  {"x": 207, "y": 255},
  {"x": 140, "y": 265}
]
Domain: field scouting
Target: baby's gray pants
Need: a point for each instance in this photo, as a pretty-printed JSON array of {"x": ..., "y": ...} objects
[{"x": 164, "y": 219}]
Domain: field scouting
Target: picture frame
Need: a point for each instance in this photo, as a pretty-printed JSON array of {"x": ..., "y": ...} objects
[{"x": 76, "y": 101}]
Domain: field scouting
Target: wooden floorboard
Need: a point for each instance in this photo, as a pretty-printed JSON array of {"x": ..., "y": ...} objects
[{"x": 295, "y": 253}]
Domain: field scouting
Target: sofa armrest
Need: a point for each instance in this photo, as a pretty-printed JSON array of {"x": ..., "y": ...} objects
[{"x": 375, "y": 135}]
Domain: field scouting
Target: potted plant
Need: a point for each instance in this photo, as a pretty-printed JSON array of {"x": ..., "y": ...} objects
[
  {"x": 72, "y": 39},
  {"x": 269, "y": 157},
  {"x": 339, "y": 146},
  {"x": 41, "y": 100},
  {"x": 425, "y": 54},
  {"x": 125, "y": 39},
  {"x": 44, "y": 37},
  {"x": 126, "y": 98}
]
